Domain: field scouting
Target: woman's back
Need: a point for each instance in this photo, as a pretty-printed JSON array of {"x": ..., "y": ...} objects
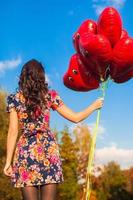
[{"x": 27, "y": 125}]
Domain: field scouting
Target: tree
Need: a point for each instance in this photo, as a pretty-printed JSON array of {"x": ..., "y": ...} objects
[
  {"x": 112, "y": 184},
  {"x": 129, "y": 174},
  {"x": 69, "y": 189},
  {"x": 7, "y": 192},
  {"x": 82, "y": 142}
]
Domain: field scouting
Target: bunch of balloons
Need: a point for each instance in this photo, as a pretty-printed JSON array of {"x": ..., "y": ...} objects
[{"x": 103, "y": 50}]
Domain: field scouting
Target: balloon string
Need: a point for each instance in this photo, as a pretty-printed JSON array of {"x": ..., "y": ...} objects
[{"x": 88, "y": 190}]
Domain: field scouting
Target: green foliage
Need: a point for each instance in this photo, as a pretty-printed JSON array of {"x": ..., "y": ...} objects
[
  {"x": 7, "y": 192},
  {"x": 69, "y": 189},
  {"x": 129, "y": 184},
  {"x": 82, "y": 142},
  {"x": 3, "y": 123},
  {"x": 112, "y": 184}
]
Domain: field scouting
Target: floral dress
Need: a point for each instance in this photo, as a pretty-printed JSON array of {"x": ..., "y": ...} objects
[{"x": 36, "y": 158}]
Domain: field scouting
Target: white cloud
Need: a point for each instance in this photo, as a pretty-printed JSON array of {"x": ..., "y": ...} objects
[
  {"x": 101, "y": 4},
  {"x": 112, "y": 153},
  {"x": 101, "y": 129},
  {"x": 117, "y": 3},
  {"x": 9, "y": 64},
  {"x": 100, "y": 134},
  {"x": 91, "y": 126}
]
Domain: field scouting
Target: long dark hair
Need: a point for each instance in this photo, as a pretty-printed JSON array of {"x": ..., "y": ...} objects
[{"x": 32, "y": 83}]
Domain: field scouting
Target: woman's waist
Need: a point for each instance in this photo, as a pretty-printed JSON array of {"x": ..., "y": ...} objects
[{"x": 27, "y": 132}]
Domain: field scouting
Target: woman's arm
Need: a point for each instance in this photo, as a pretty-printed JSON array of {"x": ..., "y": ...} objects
[
  {"x": 79, "y": 116},
  {"x": 12, "y": 135}
]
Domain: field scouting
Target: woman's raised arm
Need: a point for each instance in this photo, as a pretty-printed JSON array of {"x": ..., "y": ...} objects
[{"x": 79, "y": 116}]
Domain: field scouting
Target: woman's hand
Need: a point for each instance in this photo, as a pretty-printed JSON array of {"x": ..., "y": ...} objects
[
  {"x": 7, "y": 169},
  {"x": 98, "y": 103}
]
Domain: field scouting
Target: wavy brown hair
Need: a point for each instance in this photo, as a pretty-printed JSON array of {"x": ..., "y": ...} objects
[{"x": 33, "y": 85}]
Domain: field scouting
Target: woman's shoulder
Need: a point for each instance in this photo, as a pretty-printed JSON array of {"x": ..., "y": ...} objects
[
  {"x": 11, "y": 95},
  {"x": 55, "y": 99},
  {"x": 13, "y": 100},
  {"x": 16, "y": 96},
  {"x": 53, "y": 93}
]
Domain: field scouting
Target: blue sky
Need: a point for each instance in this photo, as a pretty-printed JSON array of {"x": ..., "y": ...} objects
[{"x": 43, "y": 30}]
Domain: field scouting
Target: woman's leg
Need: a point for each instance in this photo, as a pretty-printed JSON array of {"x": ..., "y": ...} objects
[
  {"x": 30, "y": 193},
  {"x": 48, "y": 191}
]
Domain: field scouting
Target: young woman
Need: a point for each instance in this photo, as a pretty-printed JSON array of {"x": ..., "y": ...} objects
[{"x": 35, "y": 165}]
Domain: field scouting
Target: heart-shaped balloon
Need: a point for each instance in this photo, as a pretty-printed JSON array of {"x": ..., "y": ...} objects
[
  {"x": 103, "y": 50},
  {"x": 122, "y": 57},
  {"x": 88, "y": 26},
  {"x": 78, "y": 77},
  {"x": 110, "y": 25},
  {"x": 99, "y": 68},
  {"x": 124, "y": 34},
  {"x": 96, "y": 46},
  {"x": 123, "y": 78},
  {"x": 97, "y": 52}
]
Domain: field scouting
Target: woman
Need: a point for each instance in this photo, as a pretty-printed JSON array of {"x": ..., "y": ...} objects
[{"x": 35, "y": 164}]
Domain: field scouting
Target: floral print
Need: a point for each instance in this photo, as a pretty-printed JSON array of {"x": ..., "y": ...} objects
[{"x": 36, "y": 159}]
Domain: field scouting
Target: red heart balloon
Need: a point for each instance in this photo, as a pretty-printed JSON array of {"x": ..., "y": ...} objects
[
  {"x": 88, "y": 26},
  {"x": 88, "y": 61},
  {"x": 110, "y": 25},
  {"x": 122, "y": 57},
  {"x": 124, "y": 34},
  {"x": 97, "y": 52},
  {"x": 99, "y": 68},
  {"x": 78, "y": 77},
  {"x": 96, "y": 46},
  {"x": 123, "y": 78}
]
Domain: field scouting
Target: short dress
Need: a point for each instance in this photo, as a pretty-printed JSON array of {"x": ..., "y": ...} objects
[{"x": 36, "y": 159}]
